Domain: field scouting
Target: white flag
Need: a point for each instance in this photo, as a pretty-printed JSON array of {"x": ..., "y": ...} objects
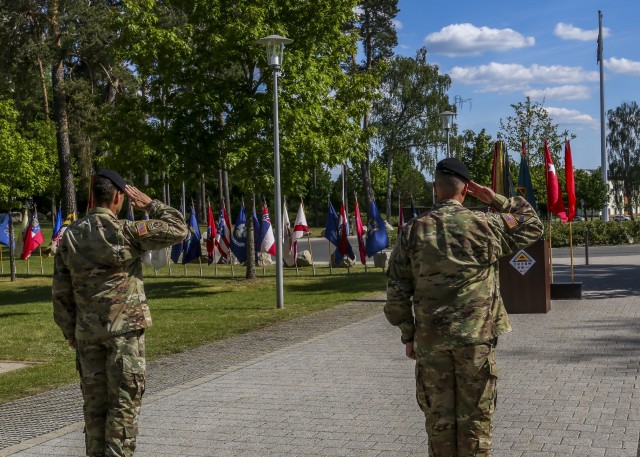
[
  {"x": 287, "y": 238},
  {"x": 300, "y": 228}
]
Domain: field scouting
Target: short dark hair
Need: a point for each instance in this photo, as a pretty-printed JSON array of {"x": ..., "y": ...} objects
[
  {"x": 449, "y": 184},
  {"x": 103, "y": 190}
]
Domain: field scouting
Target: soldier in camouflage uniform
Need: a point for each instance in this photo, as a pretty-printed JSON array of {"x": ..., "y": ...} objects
[
  {"x": 100, "y": 305},
  {"x": 443, "y": 293}
]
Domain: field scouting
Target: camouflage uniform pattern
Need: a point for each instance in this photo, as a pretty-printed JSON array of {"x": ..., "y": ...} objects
[
  {"x": 443, "y": 293},
  {"x": 99, "y": 300}
]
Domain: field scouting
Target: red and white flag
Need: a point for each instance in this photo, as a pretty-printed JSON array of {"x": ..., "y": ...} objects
[
  {"x": 343, "y": 231},
  {"x": 268, "y": 239},
  {"x": 554, "y": 196},
  {"x": 360, "y": 232},
  {"x": 211, "y": 234},
  {"x": 32, "y": 238},
  {"x": 300, "y": 228},
  {"x": 223, "y": 235},
  {"x": 571, "y": 187}
]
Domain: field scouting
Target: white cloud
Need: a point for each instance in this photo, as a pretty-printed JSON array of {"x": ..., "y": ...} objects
[
  {"x": 566, "y": 92},
  {"x": 467, "y": 39},
  {"x": 622, "y": 66},
  {"x": 397, "y": 24},
  {"x": 500, "y": 77},
  {"x": 569, "y": 116},
  {"x": 571, "y": 32}
]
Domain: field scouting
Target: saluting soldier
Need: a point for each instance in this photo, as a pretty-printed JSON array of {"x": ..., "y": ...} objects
[
  {"x": 443, "y": 293},
  {"x": 100, "y": 305}
]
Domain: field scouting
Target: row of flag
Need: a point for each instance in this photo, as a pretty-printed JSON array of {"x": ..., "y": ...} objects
[
  {"x": 501, "y": 180},
  {"x": 337, "y": 230}
]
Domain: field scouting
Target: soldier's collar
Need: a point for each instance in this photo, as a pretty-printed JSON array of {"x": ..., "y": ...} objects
[
  {"x": 447, "y": 202},
  {"x": 102, "y": 210}
]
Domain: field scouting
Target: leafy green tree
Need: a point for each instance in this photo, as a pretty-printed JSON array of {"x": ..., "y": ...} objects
[
  {"x": 591, "y": 191},
  {"x": 26, "y": 161},
  {"x": 403, "y": 117},
  {"x": 374, "y": 25},
  {"x": 624, "y": 153},
  {"x": 477, "y": 155}
]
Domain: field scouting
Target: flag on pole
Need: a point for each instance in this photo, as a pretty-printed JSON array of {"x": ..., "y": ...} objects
[
  {"x": 288, "y": 249},
  {"x": 130, "y": 215},
  {"x": 223, "y": 237},
  {"x": 257, "y": 234},
  {"x": 4, "y": 230},
  {"x": 501, "y": 181},
  {"x": 360, "y": 233},
  {"x": 525, "y": 186},
  {"x": 192, "y": 249},
  {"x": 57, "y": 234},
  {"x": 343, "y": 233},
  {"x": 414, "y": 213},
  {"x": 300, "y": 229},
  {"x": 377, "y": 237},
  {"x": 555, "y": 204},
  {"x": 268, "y": 243},
  {"x": 400, "y": 217},
  {"x": 239, "y": 237},
  {"x": 178, "y": 248},
  {"x": 211, "y": 234},
  {"x": 331, "y": 232},
  {"x": 571, "y": 188},
  {"x": 33, "y": 237}
]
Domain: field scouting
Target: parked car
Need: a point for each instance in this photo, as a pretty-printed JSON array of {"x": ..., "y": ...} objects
[
  {"x": 620, "y": 218},
  {"x": 578, "y": 218}
]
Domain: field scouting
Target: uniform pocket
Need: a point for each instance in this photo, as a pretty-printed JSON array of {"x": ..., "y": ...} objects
[{"x": 133, "y": 381}]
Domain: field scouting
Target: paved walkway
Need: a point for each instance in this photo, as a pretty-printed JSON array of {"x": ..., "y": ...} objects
[{"x": 568, "y": 386}]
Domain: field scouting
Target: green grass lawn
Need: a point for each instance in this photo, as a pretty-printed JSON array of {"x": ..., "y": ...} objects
[{"x": 188, "y": 311}]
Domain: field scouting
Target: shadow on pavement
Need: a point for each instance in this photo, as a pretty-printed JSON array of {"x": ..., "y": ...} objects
[{"x": 602, "y": 281}]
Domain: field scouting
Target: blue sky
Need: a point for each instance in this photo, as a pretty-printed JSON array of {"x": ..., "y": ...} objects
[{"x": 497, "y": 52}]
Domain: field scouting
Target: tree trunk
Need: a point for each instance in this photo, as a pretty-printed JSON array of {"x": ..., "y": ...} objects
[
  {"x": 389, "y": 179},
  {"x": 60, "y": 117},
  {"x": 203, "y": 199},
  {"x": 225, "y": 181},
  {"x": 366, "y": 170},
  {"x": 220, "y": 187},
  {"x": 251, "y": 247},
  {"x": 43, "y": 85}
]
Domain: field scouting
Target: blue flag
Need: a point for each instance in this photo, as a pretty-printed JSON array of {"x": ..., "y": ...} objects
[
  {"x": 239, "y": 237},
  {"x": 377, "y": 237},
  {"x": 331, "y": 233},
  {"x": 192, "y": 249},
  {"x": 525, "y": 186},
  {"x": 4, "y": 231},
  {"x": 58, "y": 225},
  {"x": 130, "y": 215},
  {"x": 257, "y": 233}
]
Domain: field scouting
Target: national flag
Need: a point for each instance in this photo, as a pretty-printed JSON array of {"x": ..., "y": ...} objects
[
  {"x": 211, "y": 234},
  {"x": 57, "y": 226},
  {"x": 331, "y": 232},
  {"x": 130, "y": 216},
  {"x": 178, "y": 248},
  {"x": 223, "y": 235},
  {"x": 344, "y": 247},
  {"x": 4, "y": 230},
  {"x": 57, "y": 236},
  {"x": 268, "y": 243},
  {"x": 360, "y": 233},
  {"x": 300, "y": 228},
  {"x": 400, "y": 217},
  {"x": 525, "y": 186},
  {"x": 377, "y": 237},
  {"x": 257, "y": 234},
  {"x": 26, "y": 217},
  {"x": 239, "y": 237},
  {"x": 288, "y": 255},
  {"x": 192, "y": 248},
  {"x": 33, "y": 237},
  {"x": 571, "y": 187},
  {"x": 501, "y": 181},
  {"x": 555, "y": 204}
]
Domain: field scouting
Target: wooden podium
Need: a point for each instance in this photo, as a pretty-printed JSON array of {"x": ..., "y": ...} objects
[{"x": 525, "y": 280}]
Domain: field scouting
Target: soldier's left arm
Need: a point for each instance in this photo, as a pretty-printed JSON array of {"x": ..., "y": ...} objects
[
  {"x": 516, "y": 226},
  {"x": 400, "y": 288},
  {"x": 165, "y": 227},
  {"x": 64, "y": 306}
]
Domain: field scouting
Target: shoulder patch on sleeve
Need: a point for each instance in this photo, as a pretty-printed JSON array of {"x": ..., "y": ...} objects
[
  {"x": 141, "y": 227},
  {"x": 509, "y": 219}
]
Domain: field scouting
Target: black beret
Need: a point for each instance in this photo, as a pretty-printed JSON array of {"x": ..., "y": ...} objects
[
  {"x": 114, "y": 177},
  {"x": 453, "y": 166}
]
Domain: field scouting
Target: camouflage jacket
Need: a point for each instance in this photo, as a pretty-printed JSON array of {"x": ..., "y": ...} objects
[
  {"x": 444, "y": 270},
  {"x": 97, "y": 280}
]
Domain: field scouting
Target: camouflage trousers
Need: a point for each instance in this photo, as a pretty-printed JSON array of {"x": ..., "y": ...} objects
[
  {"x": 112, "y": 382},
  {"x": 456, "y": 389}
]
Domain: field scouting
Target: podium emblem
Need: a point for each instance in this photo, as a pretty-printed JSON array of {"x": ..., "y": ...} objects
[{"x": 522, "y": 261}]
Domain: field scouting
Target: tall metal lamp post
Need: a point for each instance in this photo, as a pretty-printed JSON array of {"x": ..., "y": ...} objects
[
  {"x": 275, "y": 50},
  {"x": 447, "y": 124}
]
